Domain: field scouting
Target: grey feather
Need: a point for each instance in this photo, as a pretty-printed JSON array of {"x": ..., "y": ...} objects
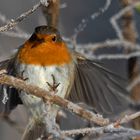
[
  {"x": 12, "y": 93},
  {"x": 98, "y": 87}
]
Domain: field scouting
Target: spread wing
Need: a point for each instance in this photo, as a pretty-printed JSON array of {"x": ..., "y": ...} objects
[
  {"x": 97, "y": 87},
  {"x": 6, "y": 105},
  {"x": 4, "y": 64}
]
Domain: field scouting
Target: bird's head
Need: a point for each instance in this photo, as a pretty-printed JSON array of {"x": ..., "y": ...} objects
[{"x": 45, "y": 47}]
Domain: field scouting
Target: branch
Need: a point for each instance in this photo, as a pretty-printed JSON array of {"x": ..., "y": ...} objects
[
  {"x": 134, "y": 83},
  {"x": 10, "y": 25},
  {"x": 88, "y": 50},
  {"x": 116, "y": 43},
  {"x": 128, "y": 118},
  {"x": 83, "y": 24},
  {"x": 51, "y": 12},
  {"x": 5, "y": 20},
  {"x": 111, "y": 128},
  {"x": 47, "y": 96},
  {"x": 120, "y": 132},
  {"x": 16, "y": 34},
  {"x": 117, "y": 16},
  {"x": 112, "y": 56}
]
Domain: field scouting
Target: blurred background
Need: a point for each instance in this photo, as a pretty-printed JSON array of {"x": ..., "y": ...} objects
[{"x": 72, "y": 12}]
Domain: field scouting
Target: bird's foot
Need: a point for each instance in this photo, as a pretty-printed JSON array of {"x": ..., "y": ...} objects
[
  {"x": 53, "y": 87},
  {"x": 21, "y": 77}
]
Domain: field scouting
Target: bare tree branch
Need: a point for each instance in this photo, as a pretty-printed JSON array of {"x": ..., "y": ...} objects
[
  {"x": 16, "y": 34},
  {"x": 5, "y": 20},
  {"x": 51, "y": 12},
  {"x": 134, "y": 83},
  {"x": 108, "y": 44},
  {"x": 91, "y": 56},
  {"x": 111, "y": 128},
  {"x": 121, "y": 131},
  {"x": 14, "y": 22},
  {"x": 22, "y": 85},
  {"x": 117, "y": 16},
  {"x": 128, "y": 118},
  {"x": 83, "y": 24}
]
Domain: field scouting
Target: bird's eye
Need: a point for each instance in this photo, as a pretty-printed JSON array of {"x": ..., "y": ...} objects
[{"x": 54, "y": 38}]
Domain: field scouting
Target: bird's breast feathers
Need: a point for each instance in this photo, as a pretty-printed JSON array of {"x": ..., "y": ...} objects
[
  {"x": 45, "y": 54},
  {"x": 47, "y": 77}
]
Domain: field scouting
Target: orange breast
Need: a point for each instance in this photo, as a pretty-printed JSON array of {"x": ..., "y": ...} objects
[{"x": 44, "y": 54}]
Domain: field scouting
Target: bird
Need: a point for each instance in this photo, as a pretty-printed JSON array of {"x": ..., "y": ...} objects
[{"x": 45, "y": 60}]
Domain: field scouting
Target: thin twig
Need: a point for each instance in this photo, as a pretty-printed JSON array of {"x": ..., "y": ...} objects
[
  {"x": 5, "y": 20},
  {"x": 16, "y": 34},
  {"x": 128, "y": 118},
  {"x": 102, "y": 130},
  {"x": 111, "y": 128},
  {"x": 83, "y": 24},
  {"x": 116, "y": 43},
  {"x": 117, "y": 16},
  {"x": 112, "y": 56},
  {"x": 14, "y": 22},
  {"x": 134, "y": 83}
]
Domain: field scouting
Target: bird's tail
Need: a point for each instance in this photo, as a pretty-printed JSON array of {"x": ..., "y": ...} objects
[{"x": 34, "y": 130}]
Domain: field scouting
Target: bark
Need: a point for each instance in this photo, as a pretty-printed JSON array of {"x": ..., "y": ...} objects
[
  {"x": 51, "y": 12},
  {"x": 129, "y": 34}
]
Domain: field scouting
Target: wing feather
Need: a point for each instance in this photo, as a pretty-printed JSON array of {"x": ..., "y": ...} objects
[
  {"x": 11, "y": 93},
  {"x": 98, "y": 87}
]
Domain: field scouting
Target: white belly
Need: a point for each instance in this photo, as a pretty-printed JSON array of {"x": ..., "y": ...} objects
[{"x": 39, "y": 76}]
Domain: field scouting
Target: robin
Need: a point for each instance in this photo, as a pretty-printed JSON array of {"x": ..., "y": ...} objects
[{"x": 45, "y": 61}]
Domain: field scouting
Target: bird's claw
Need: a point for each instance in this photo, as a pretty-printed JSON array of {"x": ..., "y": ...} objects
[
  {"x": 53, "y": 87},
  {"x": 21, "y": 77}
]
